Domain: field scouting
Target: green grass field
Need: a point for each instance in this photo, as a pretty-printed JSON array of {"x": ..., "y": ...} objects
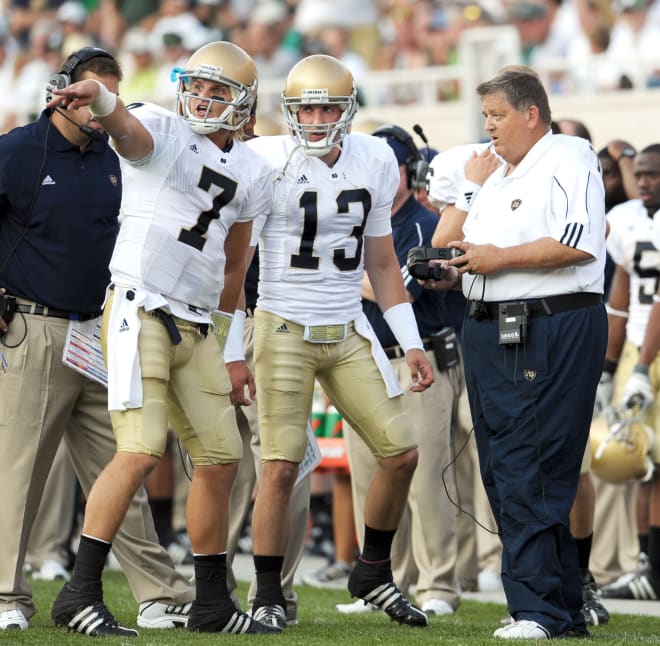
[{"x": 473, "y": 624}]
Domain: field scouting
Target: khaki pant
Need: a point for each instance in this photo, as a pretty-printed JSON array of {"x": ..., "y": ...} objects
[
  {"x": 249, "y": 472},
  {"x": 286, "y": 369},
  {"x": 52, "y": 526},
  {"x": 42, "y": 401}
]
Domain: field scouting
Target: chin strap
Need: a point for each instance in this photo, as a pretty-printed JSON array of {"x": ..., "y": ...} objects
[{"x": 281, "y": 174}]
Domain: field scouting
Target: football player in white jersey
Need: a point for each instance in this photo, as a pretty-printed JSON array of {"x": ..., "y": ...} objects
[
  {"x": 329, "y": 218},
  {"x": 191, "y": 191},
  {"x": 632, "y": 245}
]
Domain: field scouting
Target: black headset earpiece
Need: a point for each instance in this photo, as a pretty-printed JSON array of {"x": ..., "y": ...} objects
[
  {"x": 64, "y": 77},
  {"x": 416, "y": 166}
]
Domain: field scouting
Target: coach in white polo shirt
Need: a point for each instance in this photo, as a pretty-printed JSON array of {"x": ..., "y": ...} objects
[{"x": 534, "y": 242}]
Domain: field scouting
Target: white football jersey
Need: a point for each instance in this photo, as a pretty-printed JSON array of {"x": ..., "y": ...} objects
[
  {"x": 631, "y": 245},
  {"x": 177, "y": 207},
  {"x": 447, "y": 171},
  {"x": 656, "y": 230},
  {"x": 557, "y": 192},
  {"x": 311, "y": 247}
]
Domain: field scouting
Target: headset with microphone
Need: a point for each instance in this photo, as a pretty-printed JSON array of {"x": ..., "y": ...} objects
[
  {"x": 64, "y": 78},
  {"x": 416, "y": 166},
  {"x": 93, "y": 134}
]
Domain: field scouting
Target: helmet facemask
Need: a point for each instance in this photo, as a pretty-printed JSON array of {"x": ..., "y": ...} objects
[
  {"x": 319, "y": 80},
  {"x": 234, "y": 114},
  {"x": 334, "y": 131}
]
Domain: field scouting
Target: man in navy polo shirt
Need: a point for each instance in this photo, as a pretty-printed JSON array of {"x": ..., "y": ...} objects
[{"x": 60, "y": 190}]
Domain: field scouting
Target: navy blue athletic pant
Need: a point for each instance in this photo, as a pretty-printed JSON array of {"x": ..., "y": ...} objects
[{"x": 532, "y": 406}]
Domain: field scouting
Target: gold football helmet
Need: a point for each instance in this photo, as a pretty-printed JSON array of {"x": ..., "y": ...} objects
[
  {"x": 620, "y": 447},
  {"x": 224, "y": 63},
  {"x": 323, "y": 80}
]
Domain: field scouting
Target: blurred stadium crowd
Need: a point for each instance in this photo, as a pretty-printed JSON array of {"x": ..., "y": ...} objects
[{"x": 591, "y": 44}]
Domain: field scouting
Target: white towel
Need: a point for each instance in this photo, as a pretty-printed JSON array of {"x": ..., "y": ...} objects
[
  {"x": 123, "y": 360},
  {"x": 364, "y": 329}
]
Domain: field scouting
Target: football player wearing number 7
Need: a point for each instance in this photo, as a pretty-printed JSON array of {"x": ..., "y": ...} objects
[
  {"x": 330, "y": 217},
  {"x": 191, "y": 191}
]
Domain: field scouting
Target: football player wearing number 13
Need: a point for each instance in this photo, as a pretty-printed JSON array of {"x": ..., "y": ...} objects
[
  {"x": 329, "y": 218},
  {"x": 191, "y": 191}
]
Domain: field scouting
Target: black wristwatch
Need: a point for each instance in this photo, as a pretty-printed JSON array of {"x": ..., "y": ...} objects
[{"x": 626, "y": 152}]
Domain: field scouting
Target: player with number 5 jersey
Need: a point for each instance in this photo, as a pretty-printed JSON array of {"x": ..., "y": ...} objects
[{"x": 191, "y": 191}]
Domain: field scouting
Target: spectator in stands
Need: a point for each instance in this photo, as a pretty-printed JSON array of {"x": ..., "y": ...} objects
[
  {"x": 533, "y": 21},
  {"x": 141, "y": 70},
  {"x": 9, "y": 63},
  {"x": 44, "y": 58},
  {"x": 361, "y": 19},
  {"x": 333, "y": 40},
  {"x": 404, "y": 48},
  {"x": 171, "y": 53},
  {"x": 264, "y": 40},
  {"x": 634, "y": 43}
]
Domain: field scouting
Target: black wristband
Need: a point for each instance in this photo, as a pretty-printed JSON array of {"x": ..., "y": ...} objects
[{"x": 609, "y": 366}]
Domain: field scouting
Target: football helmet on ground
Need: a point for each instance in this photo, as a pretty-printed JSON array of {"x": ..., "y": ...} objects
[
  {"x": 223, "y": 63},
  {"x": 320, "y": 80},
  {"x": 621, "y": 446}
]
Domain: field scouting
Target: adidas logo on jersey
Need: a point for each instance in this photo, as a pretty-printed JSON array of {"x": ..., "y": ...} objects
[
  {"x": 124, "y": 327},
  {"x": 48, "y": 181},
  {"x": 283, "y": 329},
  {"x": 193, "y": 148},
  {"x": 302, "y": 179}
]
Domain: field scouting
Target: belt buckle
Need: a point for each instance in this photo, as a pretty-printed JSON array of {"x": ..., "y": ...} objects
[{"x": 325, "y": 333}]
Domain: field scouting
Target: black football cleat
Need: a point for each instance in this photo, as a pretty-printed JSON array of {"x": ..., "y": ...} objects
[
  {"x": 384, "y": 594},
  {"x": 235, "y": 622},
  {"x": 79, "y": 613}
]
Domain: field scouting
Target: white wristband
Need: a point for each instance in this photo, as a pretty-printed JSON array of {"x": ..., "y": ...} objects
[
  {"x": 467, "y": 191},
  {"x": 104, "y": 103},
  {"x": 656, "y": 298},
  {"x": 401, "y": 320},
  {"x": 614, "y": 312},
  {"x": 234, "y": 346}
]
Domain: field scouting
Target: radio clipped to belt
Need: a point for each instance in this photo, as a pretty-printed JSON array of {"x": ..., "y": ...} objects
[
  {"x": 513, "y": 320},
  {"x": 445, "y": 348}
]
